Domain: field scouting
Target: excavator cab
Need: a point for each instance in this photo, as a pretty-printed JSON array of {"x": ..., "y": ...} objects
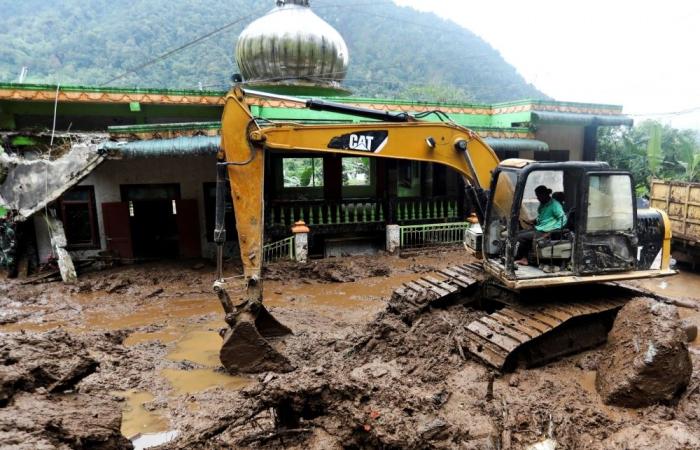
[{"x": 601, "y": 234}]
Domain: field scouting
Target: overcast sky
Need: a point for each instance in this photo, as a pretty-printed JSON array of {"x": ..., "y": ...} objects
[{"x": 643, "y": 54}]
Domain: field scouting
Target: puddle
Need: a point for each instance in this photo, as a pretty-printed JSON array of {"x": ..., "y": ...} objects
[
  {"x": 681, "y": 285},
  {"x": 165, "y": 336},
  {"x": 165, "y": 310},
  {"x": 148, "y": 440},
  {"x": 200, "y": 345},
  {"x": 197, "y": 380},
  {"x": 136, "y": 419}
]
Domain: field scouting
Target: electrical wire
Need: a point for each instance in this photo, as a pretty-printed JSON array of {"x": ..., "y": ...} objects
[{"x": 206, "y": 36}]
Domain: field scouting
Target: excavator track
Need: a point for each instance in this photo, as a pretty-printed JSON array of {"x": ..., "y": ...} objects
[
  {"x": 523, "y": 333},
  {"x": 454, "y": 280},
  {"x": 535, "y": 334}
]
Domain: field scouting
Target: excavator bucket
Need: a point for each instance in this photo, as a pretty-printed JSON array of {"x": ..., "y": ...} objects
[{"x": 246, "y": 348}]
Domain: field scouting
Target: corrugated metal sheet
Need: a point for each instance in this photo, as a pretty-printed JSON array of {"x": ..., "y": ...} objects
[
  {"x": 517, "y": 144},
  {"x": 557, "y": 118},
  {"x": 182, "y": 146}
]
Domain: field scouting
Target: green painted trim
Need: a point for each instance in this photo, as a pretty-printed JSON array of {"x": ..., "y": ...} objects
[
  {"x": 3, "y": 212},
  {"x": 134, "y": 106},
  {"x": 124, "y": 129},
  {"x": 164, "y": 127},
  {"x": 384, "y": 101},
  {"x": 77, "y": 88}
]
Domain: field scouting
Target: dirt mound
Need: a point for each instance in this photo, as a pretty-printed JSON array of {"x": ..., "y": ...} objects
[
  {"x": 340, "y": 270},
  {"x": 384, "y": 386},
  {"x": 646, "y": 360},
  {"x": 39, "y": 407}
]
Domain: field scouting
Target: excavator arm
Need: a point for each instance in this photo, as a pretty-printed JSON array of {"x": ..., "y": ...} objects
[{"x": 245, "y": 142}]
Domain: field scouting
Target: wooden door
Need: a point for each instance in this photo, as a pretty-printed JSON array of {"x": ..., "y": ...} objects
[
  {"x": 115, "y": 217},
  {"x": 188, "y": 231}
]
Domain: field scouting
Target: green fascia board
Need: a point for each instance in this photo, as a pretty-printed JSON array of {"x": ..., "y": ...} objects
[
  {"x": 164, "y": 127},
  {"x": 295, "y": 114},
  {"x": 557, "y": 118},
  {"x": 206, "y": 112},
  {"x": 128, "y": 129},
  {"x": 535, "y": 103},
  {"x": 77, "y": 88},
  {"x": 404, "y": 102}
]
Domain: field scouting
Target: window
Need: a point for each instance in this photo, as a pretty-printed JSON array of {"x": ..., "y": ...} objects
[
  {"x": 79, "y": 218},
  {"x": 610, "y": 203},
  {"x": 356, "y": 172},
  {"x": 210, "y": 213},
  {"x": 553, "y": 179},
  {"x": 409, "y": 179},
  {"x": 302, "y": 172}
]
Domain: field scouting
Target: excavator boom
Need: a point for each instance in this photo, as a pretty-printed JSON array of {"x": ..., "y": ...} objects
[{"x": 245, "y": 142}]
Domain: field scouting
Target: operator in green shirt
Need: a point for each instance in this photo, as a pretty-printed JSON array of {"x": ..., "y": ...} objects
[{"x": 550, "y": 217}]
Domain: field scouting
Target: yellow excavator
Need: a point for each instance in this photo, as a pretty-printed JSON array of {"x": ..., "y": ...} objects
[{"x": 533, "y": 314}]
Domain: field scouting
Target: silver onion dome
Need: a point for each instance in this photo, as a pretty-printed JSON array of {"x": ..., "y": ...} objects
[{"x": 292, "y": 50}]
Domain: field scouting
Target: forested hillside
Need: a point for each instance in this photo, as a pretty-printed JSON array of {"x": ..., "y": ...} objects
[{"x": 394, "y": 51}]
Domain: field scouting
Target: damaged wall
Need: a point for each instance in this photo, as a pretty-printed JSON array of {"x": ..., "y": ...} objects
[
  {"x": 31, "y": 184},
  {"x": 189, "y": 172}
]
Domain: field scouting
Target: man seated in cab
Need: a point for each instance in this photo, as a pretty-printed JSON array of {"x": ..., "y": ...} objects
[{"x": 550, "y": 217}]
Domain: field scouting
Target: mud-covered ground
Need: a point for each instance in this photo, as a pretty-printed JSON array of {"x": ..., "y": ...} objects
[{"x": 372, "y": 371}]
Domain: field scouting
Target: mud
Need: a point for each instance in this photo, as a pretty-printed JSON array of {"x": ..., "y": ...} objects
[
  {"x": 372, "y": 371},
  {"x": 41, "y": 405},
  {"x": 646, "y": 360}
]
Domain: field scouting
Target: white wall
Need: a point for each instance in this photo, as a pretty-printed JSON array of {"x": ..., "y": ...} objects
[
  {"x": 189, "y": 172},
  {"x": 563, "y": 137}
]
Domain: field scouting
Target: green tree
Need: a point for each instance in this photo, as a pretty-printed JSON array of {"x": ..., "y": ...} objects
[{"x": 651, "y": 150}]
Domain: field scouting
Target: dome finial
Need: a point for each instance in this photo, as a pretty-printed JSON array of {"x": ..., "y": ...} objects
[
  {"x": 293, "y": 2},
  {"x": 293, "y": 51}
]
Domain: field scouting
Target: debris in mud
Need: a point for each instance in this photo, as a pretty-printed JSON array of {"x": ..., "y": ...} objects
[
  {"x": 341, "y": 270},
  {"x": 39, "y": 405},
  {"x": 646, "y": 360},
  {"x": 385, "y": 387}
]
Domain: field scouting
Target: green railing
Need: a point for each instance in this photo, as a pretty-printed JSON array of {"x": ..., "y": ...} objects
[
  {"x": 432, "y": 235},
  {"x": 426, "y": 209},
  {"x": 314, "y": 214},
  {"x": 275, "y": 251},
  {"x": 362, "y": 211}
]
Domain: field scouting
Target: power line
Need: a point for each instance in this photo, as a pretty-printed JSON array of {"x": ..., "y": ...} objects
[
  {"x": 668, "y": 113},
  {"x": 212, "y": 33}
]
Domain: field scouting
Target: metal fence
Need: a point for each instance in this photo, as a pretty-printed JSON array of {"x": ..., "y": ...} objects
[
  {"x": 432, "y": 235},
  {"x": 275, "y": 251}
]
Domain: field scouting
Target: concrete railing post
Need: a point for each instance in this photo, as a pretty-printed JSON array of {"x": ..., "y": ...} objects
[
  {"x": 393, "y": 238},
  {"x": 301, "y": 241}
]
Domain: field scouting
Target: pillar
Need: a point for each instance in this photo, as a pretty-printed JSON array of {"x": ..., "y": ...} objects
[
  {"x": 393, "y": 238},
  {"x": 301, "y": 241}
]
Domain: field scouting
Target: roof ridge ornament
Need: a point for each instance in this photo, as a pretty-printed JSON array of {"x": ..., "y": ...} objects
[
  {"x": 291, "y": 50},
  {"x": 293, "y": 2}
]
